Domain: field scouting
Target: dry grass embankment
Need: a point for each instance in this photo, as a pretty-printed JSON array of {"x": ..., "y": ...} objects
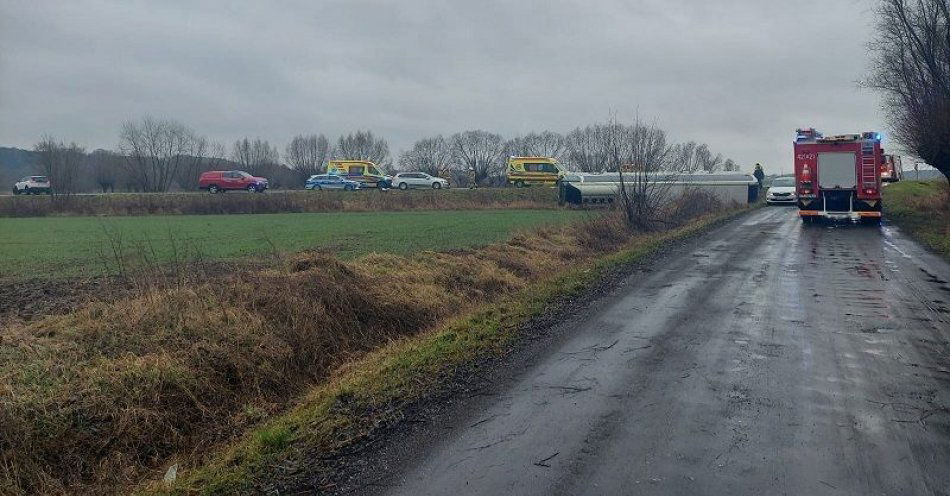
[
  {"x": 93, "y": 401},
  {"x": 922, "y": 209},
  {"x": 369, "y": 200}
]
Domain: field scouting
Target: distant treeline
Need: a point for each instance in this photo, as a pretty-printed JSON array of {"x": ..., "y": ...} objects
[{"x": 158, "y": 155}]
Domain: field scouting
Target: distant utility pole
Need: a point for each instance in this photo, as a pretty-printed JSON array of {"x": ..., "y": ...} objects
[{"x": 917, "y": 170}]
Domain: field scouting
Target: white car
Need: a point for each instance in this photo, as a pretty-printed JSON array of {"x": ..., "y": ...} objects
[
  {"x": 406, "y": 180},
  {"x": 782, "y": 190},
  {"x": 32, "y": 185}
]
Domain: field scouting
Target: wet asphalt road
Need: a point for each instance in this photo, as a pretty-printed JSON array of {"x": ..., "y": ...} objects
[{"x": 767, "y": 358}]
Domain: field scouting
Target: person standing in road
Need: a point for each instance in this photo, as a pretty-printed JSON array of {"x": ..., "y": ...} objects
[{"x": 759, "y": 174}]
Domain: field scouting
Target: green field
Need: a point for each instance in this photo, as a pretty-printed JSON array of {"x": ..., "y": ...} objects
[
  {"x": 922, "y": 209},
  {"x": 73, "y": 246}
]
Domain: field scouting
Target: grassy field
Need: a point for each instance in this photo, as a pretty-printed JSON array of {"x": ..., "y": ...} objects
[
  {"x": 70, "y": 246},
  {"x": 921, "y": 209}
]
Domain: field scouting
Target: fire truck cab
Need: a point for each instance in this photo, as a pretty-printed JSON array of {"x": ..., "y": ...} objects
[
  {"x": 838, "y": 177},
  {"x": 891, "y": 169}
]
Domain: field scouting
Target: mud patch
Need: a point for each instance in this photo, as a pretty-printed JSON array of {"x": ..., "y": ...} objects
[{"x": 22, "y": 301}]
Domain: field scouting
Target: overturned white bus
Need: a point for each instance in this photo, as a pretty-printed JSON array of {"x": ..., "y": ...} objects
[{"x": 586, "y": 189}]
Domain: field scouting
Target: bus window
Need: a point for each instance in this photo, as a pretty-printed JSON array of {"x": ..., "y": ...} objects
[{"x": 357, "y": 170}]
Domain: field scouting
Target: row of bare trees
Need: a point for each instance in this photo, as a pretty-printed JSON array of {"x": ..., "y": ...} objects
[
  {"x": 156, "y": 150},
  {"x": 308, "y": 154},
  {"x": 60, "y": 161},
  {"x": 156, "y": 155},
  {"x": 586, "y": 149}
]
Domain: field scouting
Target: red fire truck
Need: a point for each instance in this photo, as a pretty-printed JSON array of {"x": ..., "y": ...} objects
[
  {"x": 891, "y": 169},
  {"x": 838, "y": 177}
]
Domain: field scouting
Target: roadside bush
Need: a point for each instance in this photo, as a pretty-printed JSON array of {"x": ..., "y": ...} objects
[{"x": 691, "y": 204}]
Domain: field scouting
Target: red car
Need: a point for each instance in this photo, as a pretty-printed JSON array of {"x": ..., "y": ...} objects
[{"x": 215, "y": 181}]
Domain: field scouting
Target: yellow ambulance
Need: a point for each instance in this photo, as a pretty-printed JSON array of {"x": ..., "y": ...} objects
[
  {"x": 527, "y": 171},
  {"x": 362, "y": 171}
]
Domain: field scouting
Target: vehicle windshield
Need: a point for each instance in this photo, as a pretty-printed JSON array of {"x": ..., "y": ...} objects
[
  {"x": 39, "y": 179},
  {"x": 783, "y": 182},
  {"x": 244, "y": 174}
]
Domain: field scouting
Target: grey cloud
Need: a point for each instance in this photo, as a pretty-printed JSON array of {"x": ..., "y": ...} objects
[{"x": 740, "y": 74}]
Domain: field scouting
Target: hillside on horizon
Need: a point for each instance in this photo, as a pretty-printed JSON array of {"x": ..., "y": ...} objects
[{"x": 15, "y": 163}]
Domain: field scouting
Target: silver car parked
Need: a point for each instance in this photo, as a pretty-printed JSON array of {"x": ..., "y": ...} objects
[
  {"x": 330, "y": 181},
  {"x": 406, "y": 180}
]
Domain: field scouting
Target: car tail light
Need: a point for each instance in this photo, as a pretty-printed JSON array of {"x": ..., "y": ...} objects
[{"x": 870, "y": 191}]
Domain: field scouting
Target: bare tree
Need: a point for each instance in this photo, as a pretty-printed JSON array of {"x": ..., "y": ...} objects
[
  {"x": 61, "y": 163},
  {"x": 683, "y": 156},
  {"x": 694, "y": 157},
  {"x": 730, "y": 166},
  {"x": 482, "y": 152},
  {"x": 430, "y": 155},
  {"x": 307, "y": 155},
  {"x": 260, "y": 158},
  {"x": 193, "y": 164},
  {"x": 208, "y": 155},
  {"x": 543, "y": 144},
  {"x": 585, "y": 149},
  {"x": 363, "y": 145},
  {"x": 911, "y": 67},
  {"x": 706, "y": 161},
  {"x": 156, "y": 150},
  {"x": 216, "y": 158},
  {"x": 106, "y": 168},
  {"x": 256, "y": 157},
  {"x": 641, "y": 157}
]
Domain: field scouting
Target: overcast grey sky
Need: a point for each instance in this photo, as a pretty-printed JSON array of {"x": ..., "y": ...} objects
[{"x": 738, "y": 74}]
